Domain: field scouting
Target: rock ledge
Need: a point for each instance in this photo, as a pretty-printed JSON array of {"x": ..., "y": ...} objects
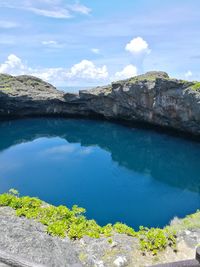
[{"x": 151, "y": 98}]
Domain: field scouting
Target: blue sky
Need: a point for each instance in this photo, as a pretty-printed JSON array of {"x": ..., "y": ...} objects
[{"x": 86, "y": 42}]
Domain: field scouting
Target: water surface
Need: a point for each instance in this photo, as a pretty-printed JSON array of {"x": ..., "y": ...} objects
[{"x": 117, "y": 173}]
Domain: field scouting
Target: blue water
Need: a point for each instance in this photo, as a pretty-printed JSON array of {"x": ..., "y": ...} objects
[
  {"x": 117, "y": 173},
  {"x": 74, "y": 89}
]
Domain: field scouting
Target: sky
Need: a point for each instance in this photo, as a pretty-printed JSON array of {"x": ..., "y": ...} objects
[{"x": 93, "y": 42}]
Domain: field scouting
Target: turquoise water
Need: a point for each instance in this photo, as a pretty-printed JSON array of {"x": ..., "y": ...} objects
[{"x": 117, "y": 173}]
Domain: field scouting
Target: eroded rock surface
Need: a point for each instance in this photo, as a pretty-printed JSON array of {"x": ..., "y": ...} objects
[
  {"x": 28, "y": 240},
  {"x": 152, "y": 98}
]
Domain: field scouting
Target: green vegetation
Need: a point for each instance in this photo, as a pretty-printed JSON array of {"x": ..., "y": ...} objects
[
  {"x": 189, "y": 222},
  {"x": 196, "y": 86},
  {"x": 61, "y": 221},
  {"x": 149, "y": 76},
  {"x": 5, "y": 82},
  {"x": 155, "y": 239},
  {"x": 142, "y": 78}
]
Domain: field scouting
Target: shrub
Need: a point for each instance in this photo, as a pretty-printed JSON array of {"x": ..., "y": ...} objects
[
  {"x": 61, "y": 221},
  {"x": 196, "y": 86},
  {"x": 155, "y": 239}
]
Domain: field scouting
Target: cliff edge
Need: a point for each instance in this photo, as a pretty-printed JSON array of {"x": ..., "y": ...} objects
[{"x": 152, "y": 98}]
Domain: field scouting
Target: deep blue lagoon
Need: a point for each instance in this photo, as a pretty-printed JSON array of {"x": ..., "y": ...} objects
[{"x": 135, "y": 176}]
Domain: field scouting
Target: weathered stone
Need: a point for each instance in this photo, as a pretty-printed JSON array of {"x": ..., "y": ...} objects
[
  {"x": 28, "y": 240},
  {"x": 151, "y": 98},
  {"x": 121, "y": 261}
]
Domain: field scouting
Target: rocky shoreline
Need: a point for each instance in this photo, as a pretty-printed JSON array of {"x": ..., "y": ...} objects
[
  {"x": 27, "y": 240},
  {"x": 149, "y": 99}
]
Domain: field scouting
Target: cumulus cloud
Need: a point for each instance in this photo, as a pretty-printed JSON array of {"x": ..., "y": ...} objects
[
  {"x": 48, "y": 8},
  {"x": 188, "y": 74},
  {"x": 49, "y": 74},
  {"x": 13, "y": 65},
  {"x": 138, "y": 45},
  {"x": 128, "y": 72},
  {"x": 85, "y": 71}
]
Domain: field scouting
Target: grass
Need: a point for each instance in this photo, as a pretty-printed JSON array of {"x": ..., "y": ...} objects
[
  {"x": 5, "y": 88},
  {"x": 61, "y": 221},
  {"x": 189, "y": 222},
  {"x": 5, "y": 82},
  {"x": 196, "y": 86}
]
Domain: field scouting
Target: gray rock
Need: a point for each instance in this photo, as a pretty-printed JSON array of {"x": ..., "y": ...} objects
[
  {"x": 28, "y": 240},
  {"x": 152, "y": 98},
  {"x": 121, "y": 261}
]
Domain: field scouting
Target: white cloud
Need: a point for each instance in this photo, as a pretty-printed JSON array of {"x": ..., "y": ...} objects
[
  {"x": 13, "y": 65},
  {"x": 188, "y": 74},
  {"x": 48, "y": 8},
  {"x": 95, "y": 50},
  {"x": 61, "y": 149},
  {"x": 87, "y": 70},
  {"x": 58, "y": 13},
  {"x": 138, "y": 45},
  {"x": 80, "y": 8},
  {"x": 49, "y": 74},
  {"x": 52, "y": 44},
  {"x": 128, "y": 72},
  {"x": 86, "y": 151},
  {"x": 8, "y": 24}
]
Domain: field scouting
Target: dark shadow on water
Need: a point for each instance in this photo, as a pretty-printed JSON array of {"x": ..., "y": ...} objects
[{"x": 136, "y": 149}]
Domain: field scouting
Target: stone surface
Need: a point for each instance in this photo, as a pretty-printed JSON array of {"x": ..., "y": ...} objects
[
  {"x": 28, "y": 240},
  {"x": 121, "y": 261},
  {"x": 152, "y": 98}
]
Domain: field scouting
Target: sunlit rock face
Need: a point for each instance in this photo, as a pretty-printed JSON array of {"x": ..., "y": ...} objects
[{"x": 152, "y": 98}]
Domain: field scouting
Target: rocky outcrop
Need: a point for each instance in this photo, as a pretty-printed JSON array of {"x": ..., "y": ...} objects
[
  {"x": 152, "y": 98},
  {"x": 25, "y": 240}
]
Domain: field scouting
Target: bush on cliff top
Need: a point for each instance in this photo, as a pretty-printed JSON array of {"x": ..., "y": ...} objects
[
  {"x": 196, "y": 86},
  {"x": 61, "y": 221}
]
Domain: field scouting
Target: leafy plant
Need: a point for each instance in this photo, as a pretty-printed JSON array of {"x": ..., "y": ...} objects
[
  {"x": 124, "y": 229},
  {"x": 155, "y": 239},
  {"x": 196, "y": 86},
  {"x": 61, "y": 221}
]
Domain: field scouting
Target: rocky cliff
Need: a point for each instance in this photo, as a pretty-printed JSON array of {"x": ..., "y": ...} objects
[{"x": 152, "y": 98}]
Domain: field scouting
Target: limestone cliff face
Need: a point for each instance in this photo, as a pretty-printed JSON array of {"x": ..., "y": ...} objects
[{"x": 153, "y": 98}]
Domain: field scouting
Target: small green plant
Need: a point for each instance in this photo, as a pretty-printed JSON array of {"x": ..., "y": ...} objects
[
  {"x": 62, "y": 221},
  {"x": 110, "y": 241},
  {"x": 124, "y": 229},
  {"x": 196, "y": 86},
  {"x": 155, "y": 239}
]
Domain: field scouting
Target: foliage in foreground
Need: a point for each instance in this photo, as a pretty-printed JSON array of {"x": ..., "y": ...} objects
[{"x": 61, "y": 221}]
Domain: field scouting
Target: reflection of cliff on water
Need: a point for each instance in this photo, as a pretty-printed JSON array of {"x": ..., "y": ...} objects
[{"x": 143, "y": 151}]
